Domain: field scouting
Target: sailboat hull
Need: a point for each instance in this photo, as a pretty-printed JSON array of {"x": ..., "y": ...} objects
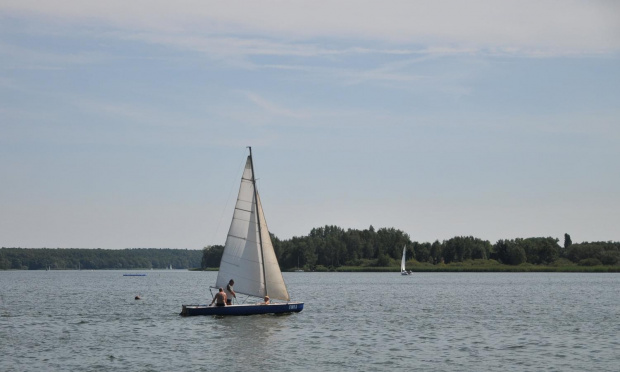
[{"x": 250, "y": 309}]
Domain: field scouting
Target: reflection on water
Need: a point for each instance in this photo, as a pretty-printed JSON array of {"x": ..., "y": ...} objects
[{"x": 90, "y": 321}]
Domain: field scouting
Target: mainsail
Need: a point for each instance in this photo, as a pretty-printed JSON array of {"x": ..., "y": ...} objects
[
  {"x": 248, "y": 256},
  {"x": 402, "y": 262}
]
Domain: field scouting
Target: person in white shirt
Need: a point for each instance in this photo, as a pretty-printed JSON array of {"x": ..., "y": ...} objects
[{"x": 230, "y": 292}]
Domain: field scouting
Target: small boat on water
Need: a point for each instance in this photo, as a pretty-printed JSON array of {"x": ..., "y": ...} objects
[
  {"x": 403, "y": 271},
  {"x": 298, "y": 270},
  {"x": 249, "y": 259}
]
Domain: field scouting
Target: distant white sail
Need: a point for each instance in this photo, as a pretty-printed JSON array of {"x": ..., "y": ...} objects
[
  {"x": 242, "y": 259},
  {"x": 402, "y": 262}
]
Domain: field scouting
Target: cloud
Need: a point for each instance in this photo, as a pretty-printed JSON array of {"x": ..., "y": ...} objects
[
  {"x": 271, "y": 107},
  {"x": 521, "y": 27},
  {"x": 15, "y": 57}
]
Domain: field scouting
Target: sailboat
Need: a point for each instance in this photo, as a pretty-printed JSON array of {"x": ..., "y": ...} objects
[
  {"x": 297, "y": 269},
  {"x": 402, "y": 263},
  {"x": 249, "y": 259}
]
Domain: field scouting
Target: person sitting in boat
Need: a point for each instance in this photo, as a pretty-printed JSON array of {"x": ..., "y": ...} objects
[
  {"x": 266, "y": 299},
  {"x": 230, "y": 292},
  {"x": 219, "y": 298}
]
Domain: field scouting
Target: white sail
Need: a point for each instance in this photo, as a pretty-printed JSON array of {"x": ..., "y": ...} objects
[
  {"x": 275, "y": 282},
  {"x": 402, "y": 262},
  {"x": 242, "y": 259}
]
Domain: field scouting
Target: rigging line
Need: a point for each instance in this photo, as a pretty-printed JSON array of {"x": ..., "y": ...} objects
[
  {"x": 258, "y": 216},
  {"x": 232, "y": 188}
]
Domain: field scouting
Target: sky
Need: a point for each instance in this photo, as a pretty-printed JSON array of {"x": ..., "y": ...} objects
[{"x": 126, "y": 123}]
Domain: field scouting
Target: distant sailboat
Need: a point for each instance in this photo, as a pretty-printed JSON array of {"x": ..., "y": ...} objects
[
  {"x": 249, "y": 259},
  {"x": 403, "y": 271},
  {"x": 298, "y": 270}
]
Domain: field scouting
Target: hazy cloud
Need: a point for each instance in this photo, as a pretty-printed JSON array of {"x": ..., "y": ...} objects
[{"x": 521, "y": 27}]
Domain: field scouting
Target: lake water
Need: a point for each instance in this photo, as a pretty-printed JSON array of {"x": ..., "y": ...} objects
[{"x": 89, "y": 321}]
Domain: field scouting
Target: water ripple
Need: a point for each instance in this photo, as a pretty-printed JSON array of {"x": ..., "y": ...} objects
[{"x": 89, "y": 321}]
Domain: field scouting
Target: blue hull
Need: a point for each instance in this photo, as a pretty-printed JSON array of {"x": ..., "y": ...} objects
[{"x": 289, "y": 307}]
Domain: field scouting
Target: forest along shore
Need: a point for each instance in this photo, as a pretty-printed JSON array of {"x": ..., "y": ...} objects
[{"x": 331, "y": 248}]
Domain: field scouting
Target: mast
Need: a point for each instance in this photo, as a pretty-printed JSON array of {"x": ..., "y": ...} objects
[{"x": 260, "y": 235}]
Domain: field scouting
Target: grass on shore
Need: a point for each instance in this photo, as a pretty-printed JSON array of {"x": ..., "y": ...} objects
[
  {"x": 482, "y": 266},
  {"x": 478, "y": 266}
]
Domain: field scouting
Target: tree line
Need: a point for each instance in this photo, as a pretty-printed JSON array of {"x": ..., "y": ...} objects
[
  {"x": 331, "y": 247},
  {"x": 97, "y": 259}
]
